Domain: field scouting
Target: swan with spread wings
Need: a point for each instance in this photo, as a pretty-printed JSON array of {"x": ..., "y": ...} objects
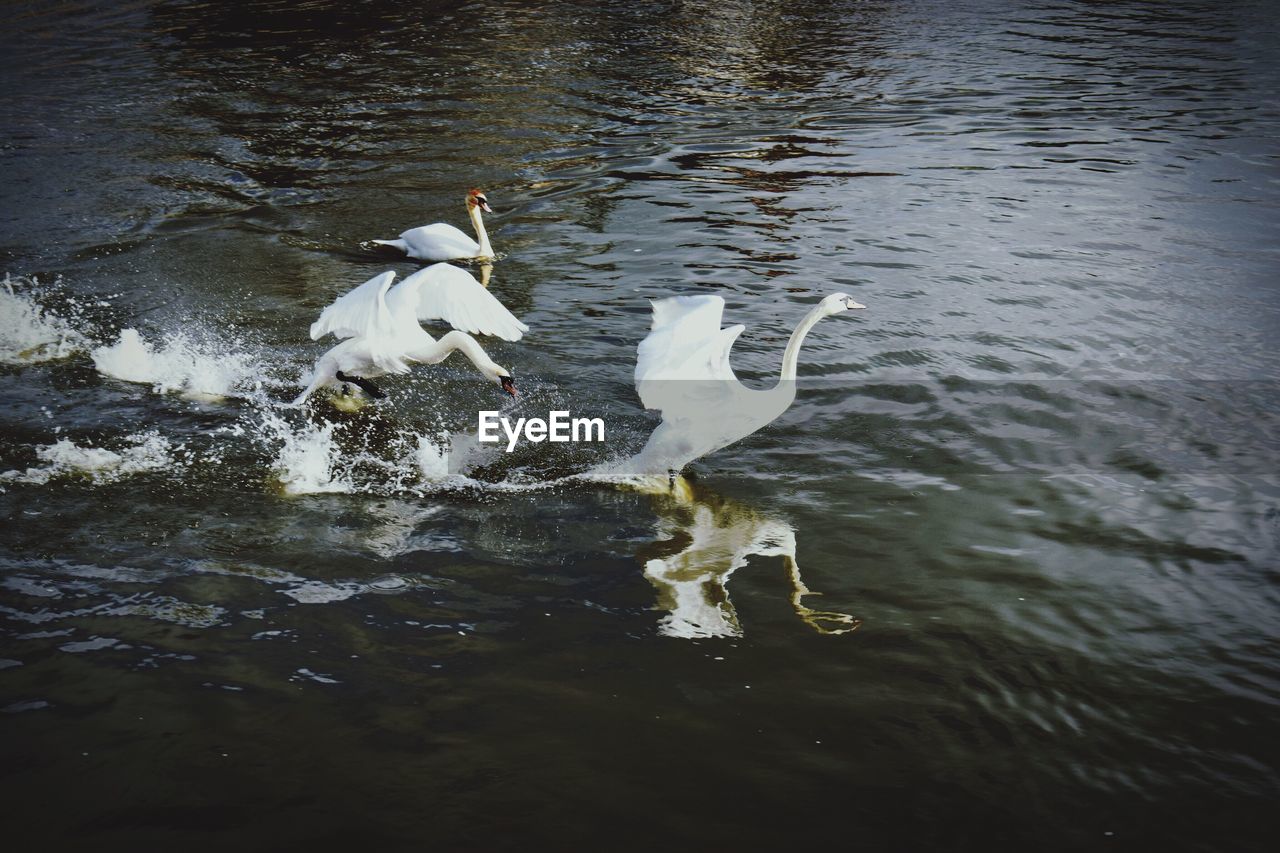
[
  {"x": 379, "y": 325},
  {"x": 682, "y": 370}
]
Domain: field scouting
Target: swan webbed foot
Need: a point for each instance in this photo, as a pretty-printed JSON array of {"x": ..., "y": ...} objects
[{"x": 363, "y": 384}]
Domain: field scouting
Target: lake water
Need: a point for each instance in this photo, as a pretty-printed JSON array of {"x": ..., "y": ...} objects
[{"x": 1004, "y": 577}]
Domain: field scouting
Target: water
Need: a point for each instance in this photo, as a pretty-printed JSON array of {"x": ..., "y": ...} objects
[{"x": 1034, "y": 483}]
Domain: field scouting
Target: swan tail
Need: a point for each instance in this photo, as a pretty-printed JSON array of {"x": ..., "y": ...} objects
[
  {"x": 319, "y": 379},
  {"x": 300, "y": 399}
]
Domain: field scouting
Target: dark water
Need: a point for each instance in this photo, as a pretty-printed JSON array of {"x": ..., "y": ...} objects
[{"x": 1038, "y": 475}]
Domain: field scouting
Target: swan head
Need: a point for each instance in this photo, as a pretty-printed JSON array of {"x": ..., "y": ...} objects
[
  {"x": 475, "y": 198},
  {"x": 838, "y": 302},
  {"x": 502, "y": 377}
]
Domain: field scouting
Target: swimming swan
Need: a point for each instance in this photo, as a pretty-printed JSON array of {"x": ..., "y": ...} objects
[
  {"x": 380, "y": 325},
  {"x": 442, "y": 242},
  {"x": 683, "y": 371}
]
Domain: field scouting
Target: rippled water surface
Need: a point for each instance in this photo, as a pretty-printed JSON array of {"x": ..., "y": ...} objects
[{"x": 1004, "y": 577}]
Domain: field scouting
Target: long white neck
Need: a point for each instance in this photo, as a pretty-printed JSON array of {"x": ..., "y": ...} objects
[
  {"x": 791, "y": 355},
  {"x": 469, "y": 347},
  {"x": 482, "y": 236}
]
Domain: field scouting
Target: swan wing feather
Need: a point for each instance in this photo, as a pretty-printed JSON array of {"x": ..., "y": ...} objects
[
  {"x": 684, "y": 360},
  {"x": 361, "y": 313},
  {"x": 445, "y": 292},
  {"x": 439, "y": 242}
]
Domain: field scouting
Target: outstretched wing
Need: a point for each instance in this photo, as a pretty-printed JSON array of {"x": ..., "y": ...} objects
[
  {"x": 686, "y": 353},
  {"x": 445, "y": 292},
  {"x": 362, "y": 313}
]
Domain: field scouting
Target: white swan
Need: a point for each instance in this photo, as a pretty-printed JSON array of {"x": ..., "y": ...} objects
[
  {"x": 443, "y": 242},
  {"x": 380, "y": 324},
  {"x": 683, "y": 371}
]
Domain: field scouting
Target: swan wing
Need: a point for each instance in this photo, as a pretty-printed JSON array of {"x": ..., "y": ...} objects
[
  {"x": 362, "y": 313},
  {"x": 439, "y": 242},
  {"x": 683, "y": 363},
  {"x": 445, "y": 292},
  {"x": 685, "y": 340}
]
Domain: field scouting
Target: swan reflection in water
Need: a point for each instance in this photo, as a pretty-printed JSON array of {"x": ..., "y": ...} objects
[{"x": 717, "y": 536}]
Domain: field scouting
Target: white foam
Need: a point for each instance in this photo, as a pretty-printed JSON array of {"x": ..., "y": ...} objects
[
  {"x": 307, "y": 461},
  {"x": 149, "y": 451},
  {"x": 432, "y": 461},
  {"x": 179, "y": 364},
  {"x": 29, "y": 333}
]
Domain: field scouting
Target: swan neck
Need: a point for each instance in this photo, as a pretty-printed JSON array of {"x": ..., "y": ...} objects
[
  {"x": 471, "y": 349},
  {"x": 482, "y": 236},
  {"x": 791, "y": 355}
]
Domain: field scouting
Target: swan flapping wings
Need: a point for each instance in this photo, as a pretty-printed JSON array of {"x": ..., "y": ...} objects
[
  {"x": 385, "y": 318},
  {"x": 682, "y": 370},
  {"x": 376, "y": 310}
]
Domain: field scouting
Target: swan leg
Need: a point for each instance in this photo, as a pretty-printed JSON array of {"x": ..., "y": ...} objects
[{"x": 363, "y": 384}]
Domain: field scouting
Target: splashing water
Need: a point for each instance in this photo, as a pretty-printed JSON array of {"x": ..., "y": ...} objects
[
  {"x": 432, "y": 461},
  {"x": 307, "y": 458},
  {"x": 28, "y": 332},
  {"x": 180, "y": 365},
  {"x": 310, "y": 460},
  {"x": 307, "y": 462},
  {"x": 149, "y": 451}
]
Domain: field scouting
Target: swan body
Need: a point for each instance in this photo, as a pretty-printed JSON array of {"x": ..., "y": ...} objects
[
  {"x": 379, "y": 325},
  {"x": 443, "y": 242},
  {"x": 682, "y": 370}
]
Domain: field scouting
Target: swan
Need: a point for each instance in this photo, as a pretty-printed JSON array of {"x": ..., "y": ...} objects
[
  {"x": 380, "y": 326},
  {"x": 443, "y": 242},
  {"x": 682, "y": 370}
]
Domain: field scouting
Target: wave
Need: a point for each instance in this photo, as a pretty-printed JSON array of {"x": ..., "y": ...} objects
[{"x": 148, "y": 451}]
